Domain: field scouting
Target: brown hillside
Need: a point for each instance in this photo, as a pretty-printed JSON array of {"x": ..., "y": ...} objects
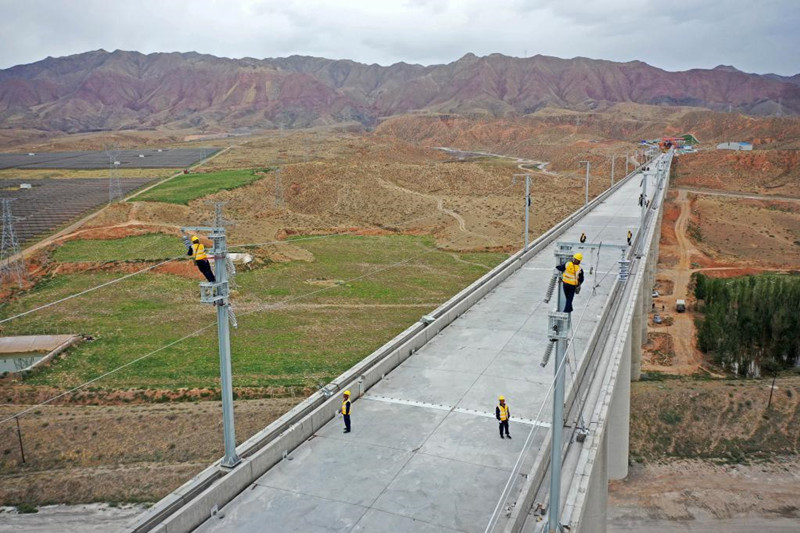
[{"x": 101, "y": 90}]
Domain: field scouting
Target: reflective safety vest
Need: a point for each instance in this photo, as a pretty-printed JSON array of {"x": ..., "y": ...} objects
[
  {"x": 571, "y": 271},
  {"x": 503, "y": 412},
  {"x": 199, "y": 251},
  {"x": 346, "y": 407}
]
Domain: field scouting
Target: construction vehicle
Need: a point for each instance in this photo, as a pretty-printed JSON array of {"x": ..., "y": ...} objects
[{"x": 680, "y": 306}]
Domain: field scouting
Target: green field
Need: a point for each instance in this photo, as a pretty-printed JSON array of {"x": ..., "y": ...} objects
[
  {"x": 188, "y": 187},
  {"x": 149, "y": 247},
  {"x": 311, "y": 339}
]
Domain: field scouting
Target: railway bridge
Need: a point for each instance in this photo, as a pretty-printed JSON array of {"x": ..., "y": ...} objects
[{"x": 424, "y": 454}]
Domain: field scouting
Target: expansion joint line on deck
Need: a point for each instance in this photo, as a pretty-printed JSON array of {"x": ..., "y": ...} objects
[{"x": 439, "y": 407}]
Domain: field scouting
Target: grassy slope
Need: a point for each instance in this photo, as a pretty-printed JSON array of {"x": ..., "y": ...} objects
[
  {"x": 297, "y": 345},
  {"x": 715, "y": 419},
  {"x": 187, "y": 187},
  {"x": 150, "y": 247}
]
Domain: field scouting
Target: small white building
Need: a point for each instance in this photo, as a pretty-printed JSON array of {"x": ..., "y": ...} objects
[{"x": 735, "y": 146}]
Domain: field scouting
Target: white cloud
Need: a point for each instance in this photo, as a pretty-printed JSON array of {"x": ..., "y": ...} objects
[{"x": 753, "y": 36}]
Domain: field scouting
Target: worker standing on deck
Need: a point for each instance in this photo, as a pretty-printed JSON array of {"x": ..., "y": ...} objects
[
  {"x": 346, "y": 411},
  {"x": 198, "y": 253},
  {"x": 502, "y": 414},
  {"x": 572, "y": 279},
  {"x": 630, "y": 236},
  {"x": 583, "y": 237}
]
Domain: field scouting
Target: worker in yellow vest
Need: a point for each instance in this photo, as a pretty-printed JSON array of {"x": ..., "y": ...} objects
[
  {"x": 198, "y": 253},
  {"x": 572, "y": 279},
  {"x": 630, "y": 236},
  {"x": 503, "y": 414},
  {"x": 346, "y": 411}
]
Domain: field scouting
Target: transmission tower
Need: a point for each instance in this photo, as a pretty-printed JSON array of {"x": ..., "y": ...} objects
[
  {"x": 279, "y": 202},
  {"x": 11, "y": 263}
]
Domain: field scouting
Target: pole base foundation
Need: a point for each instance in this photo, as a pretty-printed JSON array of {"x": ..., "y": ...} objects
[{"x": 230, "y": 465}]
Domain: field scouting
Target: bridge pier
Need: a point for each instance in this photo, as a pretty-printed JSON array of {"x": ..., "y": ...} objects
[
  {"x": 594, "y": 520},
  {"x": 619, "y": 423}
]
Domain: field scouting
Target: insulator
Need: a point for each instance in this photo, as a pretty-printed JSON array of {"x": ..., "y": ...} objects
[
  {"x": 547, "y": 353},
  {"x": 550, "y": 288},
  {"x": 624, "y": 269},
  {"x": 232, "y": 317}
]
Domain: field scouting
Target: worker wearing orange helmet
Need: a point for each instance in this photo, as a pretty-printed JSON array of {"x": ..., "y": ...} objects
[{"x": 572, "y": 279}]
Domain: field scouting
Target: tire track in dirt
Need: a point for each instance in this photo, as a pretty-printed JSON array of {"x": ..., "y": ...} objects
[{"x": 687, "y": 359}]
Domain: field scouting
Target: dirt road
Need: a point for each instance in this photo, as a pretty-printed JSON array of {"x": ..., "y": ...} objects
[
  {"x": 462, "y": 224},
  {"x": 687, "y": 358},
  {"x": 731, "y": 194}
]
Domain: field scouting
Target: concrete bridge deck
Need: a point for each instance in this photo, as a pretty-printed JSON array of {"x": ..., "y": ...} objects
[{"x": 425, "y": 454}]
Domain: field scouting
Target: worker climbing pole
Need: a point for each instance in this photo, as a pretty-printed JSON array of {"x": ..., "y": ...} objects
[
  {"x": 197, "y": 250},
  {"x": 572, "y": 279}
]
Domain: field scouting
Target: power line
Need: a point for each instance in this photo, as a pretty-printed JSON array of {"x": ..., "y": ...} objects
[
  {"x": 91, "y": 289},
  {"x": 247, "y": 245},
  {"x": 262, "y": 308},
  {"x": 98, "y": 378}
]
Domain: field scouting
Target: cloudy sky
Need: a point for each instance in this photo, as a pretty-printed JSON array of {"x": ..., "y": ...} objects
[{"x": 753, "y": 35}]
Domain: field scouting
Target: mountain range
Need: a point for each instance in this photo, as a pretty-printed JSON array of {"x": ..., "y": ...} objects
[{"x": 102, "y": 90}]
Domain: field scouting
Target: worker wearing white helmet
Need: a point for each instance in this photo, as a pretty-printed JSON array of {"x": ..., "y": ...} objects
[
  {"x": 502, "y": 414},
  {"x": 572, "y": 279}
]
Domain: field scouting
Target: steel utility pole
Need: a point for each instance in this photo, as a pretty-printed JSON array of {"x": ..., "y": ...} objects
[
  {"x": 613, "y": 160},
  {"x": 588, "y": 166},
  {"x": 559, "y": 325},
  {"x": 558, "y": 333},
  {"x": 218, "y": 294},
  {"x": 527, "y": 202}
]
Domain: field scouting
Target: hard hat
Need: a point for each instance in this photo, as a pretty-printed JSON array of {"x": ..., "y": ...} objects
[
  {"x": 347, "y": 393},
  {"x": 578, "y": 257},
  {"x": 502, "y": 398},
  {"x": 195, "y": 238}
]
